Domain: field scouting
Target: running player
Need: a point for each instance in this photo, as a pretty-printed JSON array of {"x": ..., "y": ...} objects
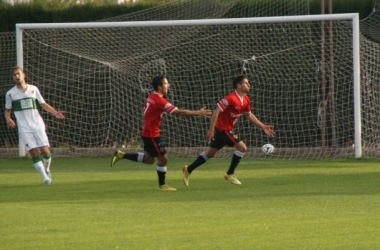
[
  {"x": 221, "y": 131},
  {"x": 155, "y": 105}
]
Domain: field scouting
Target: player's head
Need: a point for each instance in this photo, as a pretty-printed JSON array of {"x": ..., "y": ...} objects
[
  {"x": 241, "y": 84},
  {"x": 18, "y": 74},
  {"x": 160, "y": 84},
  {"x": 16, "y": 68}
]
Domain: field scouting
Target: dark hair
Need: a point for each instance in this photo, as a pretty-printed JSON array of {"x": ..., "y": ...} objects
[
  {"x": 16, "y": 68},
  {"x": 238, "y": 80},
  {"x": 158, "y": 81}
]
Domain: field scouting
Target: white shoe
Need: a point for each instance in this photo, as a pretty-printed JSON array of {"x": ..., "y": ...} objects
[
  {"x": 47, "y": 182},
  {"x": 232, "y": 178}
]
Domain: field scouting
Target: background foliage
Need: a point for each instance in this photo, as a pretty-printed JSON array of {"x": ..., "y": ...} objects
[
  {"x": 54, "y": 11},
  {"x": 42, "y": 11}
]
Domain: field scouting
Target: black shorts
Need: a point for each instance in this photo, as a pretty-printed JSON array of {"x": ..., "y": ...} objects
[
  {"x": 154, "y": 146},
  {"x": 223, "y": 138}
]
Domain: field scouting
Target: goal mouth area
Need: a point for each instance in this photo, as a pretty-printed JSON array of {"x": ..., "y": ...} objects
[{"x": 101, "y": 101}]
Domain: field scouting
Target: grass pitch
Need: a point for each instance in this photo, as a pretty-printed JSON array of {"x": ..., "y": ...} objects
[{"x": 281, "y": 205}]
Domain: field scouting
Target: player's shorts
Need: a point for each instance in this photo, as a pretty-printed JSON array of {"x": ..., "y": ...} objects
[
  {"x": 35, "y": 139},
  {"x": 154, "y": 146},
  {"x": 223, "y": 138}
]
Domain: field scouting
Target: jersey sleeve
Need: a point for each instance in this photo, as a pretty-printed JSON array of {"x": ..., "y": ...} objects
[
  {"x": 168, "y": 107},
  {"x": 224, "y": 103},
  {"x": 39, "y": 96},
  {"x": 8, "y": 100}
]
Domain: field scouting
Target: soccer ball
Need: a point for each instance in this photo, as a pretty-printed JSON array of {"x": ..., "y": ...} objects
[{"x": 267, "y": 149}]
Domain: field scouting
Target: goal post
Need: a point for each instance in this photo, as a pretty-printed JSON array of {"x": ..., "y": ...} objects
[{"x": 184, "y": 39}]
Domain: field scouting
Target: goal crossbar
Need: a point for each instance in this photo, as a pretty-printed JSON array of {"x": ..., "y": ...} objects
[
  {"x": 198, "y": 22},
  {"x": 353, "y": 17}
]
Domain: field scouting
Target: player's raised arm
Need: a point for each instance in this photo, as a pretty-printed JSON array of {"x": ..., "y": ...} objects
[{"x": 202, "y": 112}]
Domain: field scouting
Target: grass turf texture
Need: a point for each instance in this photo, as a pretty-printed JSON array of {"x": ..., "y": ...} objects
[{"x": 281, "y": 205}]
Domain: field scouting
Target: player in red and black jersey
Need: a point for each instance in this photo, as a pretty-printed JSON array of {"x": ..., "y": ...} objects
[
  {"x": 221, "y": 131},
  {"x": 155, "y": 105}
]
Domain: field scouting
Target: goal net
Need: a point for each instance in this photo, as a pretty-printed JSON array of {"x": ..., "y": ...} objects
[{"x": 99, "y": 73}]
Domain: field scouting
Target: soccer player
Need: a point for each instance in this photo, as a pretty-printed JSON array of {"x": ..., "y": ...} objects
[
  {"x": 221, "y": 130},
  {"x": 155, "y": 105},
  {"x": 22, "y": 99}
]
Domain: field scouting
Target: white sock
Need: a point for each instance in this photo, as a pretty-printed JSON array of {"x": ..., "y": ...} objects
[
  {"x": 47, "y": 163},
  {"x": 239, "y": 153},
  {"x": 140, "y": 157},
  {"x": 41, "y": 170},
  {"x": 162, "y": 169},
  {"x": 203, "y": 154}
]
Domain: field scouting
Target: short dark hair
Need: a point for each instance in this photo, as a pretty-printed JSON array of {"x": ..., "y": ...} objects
[
  {"x": 16, "y": 68},
  {"x": 238, "y": 80},
  {"x": 158, "y": 81}
]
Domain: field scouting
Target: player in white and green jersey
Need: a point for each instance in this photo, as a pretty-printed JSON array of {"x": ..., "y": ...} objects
[{"x": 22, "y": 99}]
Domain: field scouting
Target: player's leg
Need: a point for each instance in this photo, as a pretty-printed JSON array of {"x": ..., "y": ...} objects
[
  {"x": 37, "y": 163},
  {"x": 32, "y": 148},
  {"x": 240, "y": 149},
  {"x": 216, "y": 144},
  {"x": 46, "y": 160},
  {"x": 155, "y": 147},
  {"x": 161, "y": 173},
  {"x": 136, "y": 157},
  {"x": 201, "y": 159},
  {"x": 148, "y": 159},
  {"x": 39, "y": 166},
  {"x": 43, "y": 143}
]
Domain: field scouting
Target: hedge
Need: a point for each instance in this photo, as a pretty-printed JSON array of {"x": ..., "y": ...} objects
[{"x": 43, "y": 11}]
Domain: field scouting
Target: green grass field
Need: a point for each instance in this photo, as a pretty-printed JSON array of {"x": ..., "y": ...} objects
[{"x": 284, "y": 204}]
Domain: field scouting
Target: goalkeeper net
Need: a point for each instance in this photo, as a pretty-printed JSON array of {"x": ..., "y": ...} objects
[{"x": 101, "y": 76}]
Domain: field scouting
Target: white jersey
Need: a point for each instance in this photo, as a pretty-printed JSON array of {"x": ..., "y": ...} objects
[{"x": 24, "y": 106}]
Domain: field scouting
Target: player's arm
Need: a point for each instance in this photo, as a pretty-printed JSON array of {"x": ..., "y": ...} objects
[
  {"x": 214, "y": 118},
  {"x": 10, "y": 122},
  {"x": 50, "y": 109},
  {"x": 202, "y": 112},
  {"x": 267, "y": 129}
]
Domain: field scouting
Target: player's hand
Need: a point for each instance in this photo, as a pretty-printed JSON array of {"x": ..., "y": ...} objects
[
  {"x": 205, "y": 112},
  {"x": 210, "y": 135},
  {"x": 60, "y": 115},
  {"x": 11, "y": 123},
  {"x": 268, "y": 130}
]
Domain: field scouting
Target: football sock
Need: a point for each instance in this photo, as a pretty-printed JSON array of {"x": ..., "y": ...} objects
[
  {"x": 138, "y": 157},
  {"x": 202, "y": 158},
  {"x": 47, "y": 161},
  {"x": 235, "y": 161},
  {"x": 39, "y": 166},
  {"x": 161, "y": 172}
]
